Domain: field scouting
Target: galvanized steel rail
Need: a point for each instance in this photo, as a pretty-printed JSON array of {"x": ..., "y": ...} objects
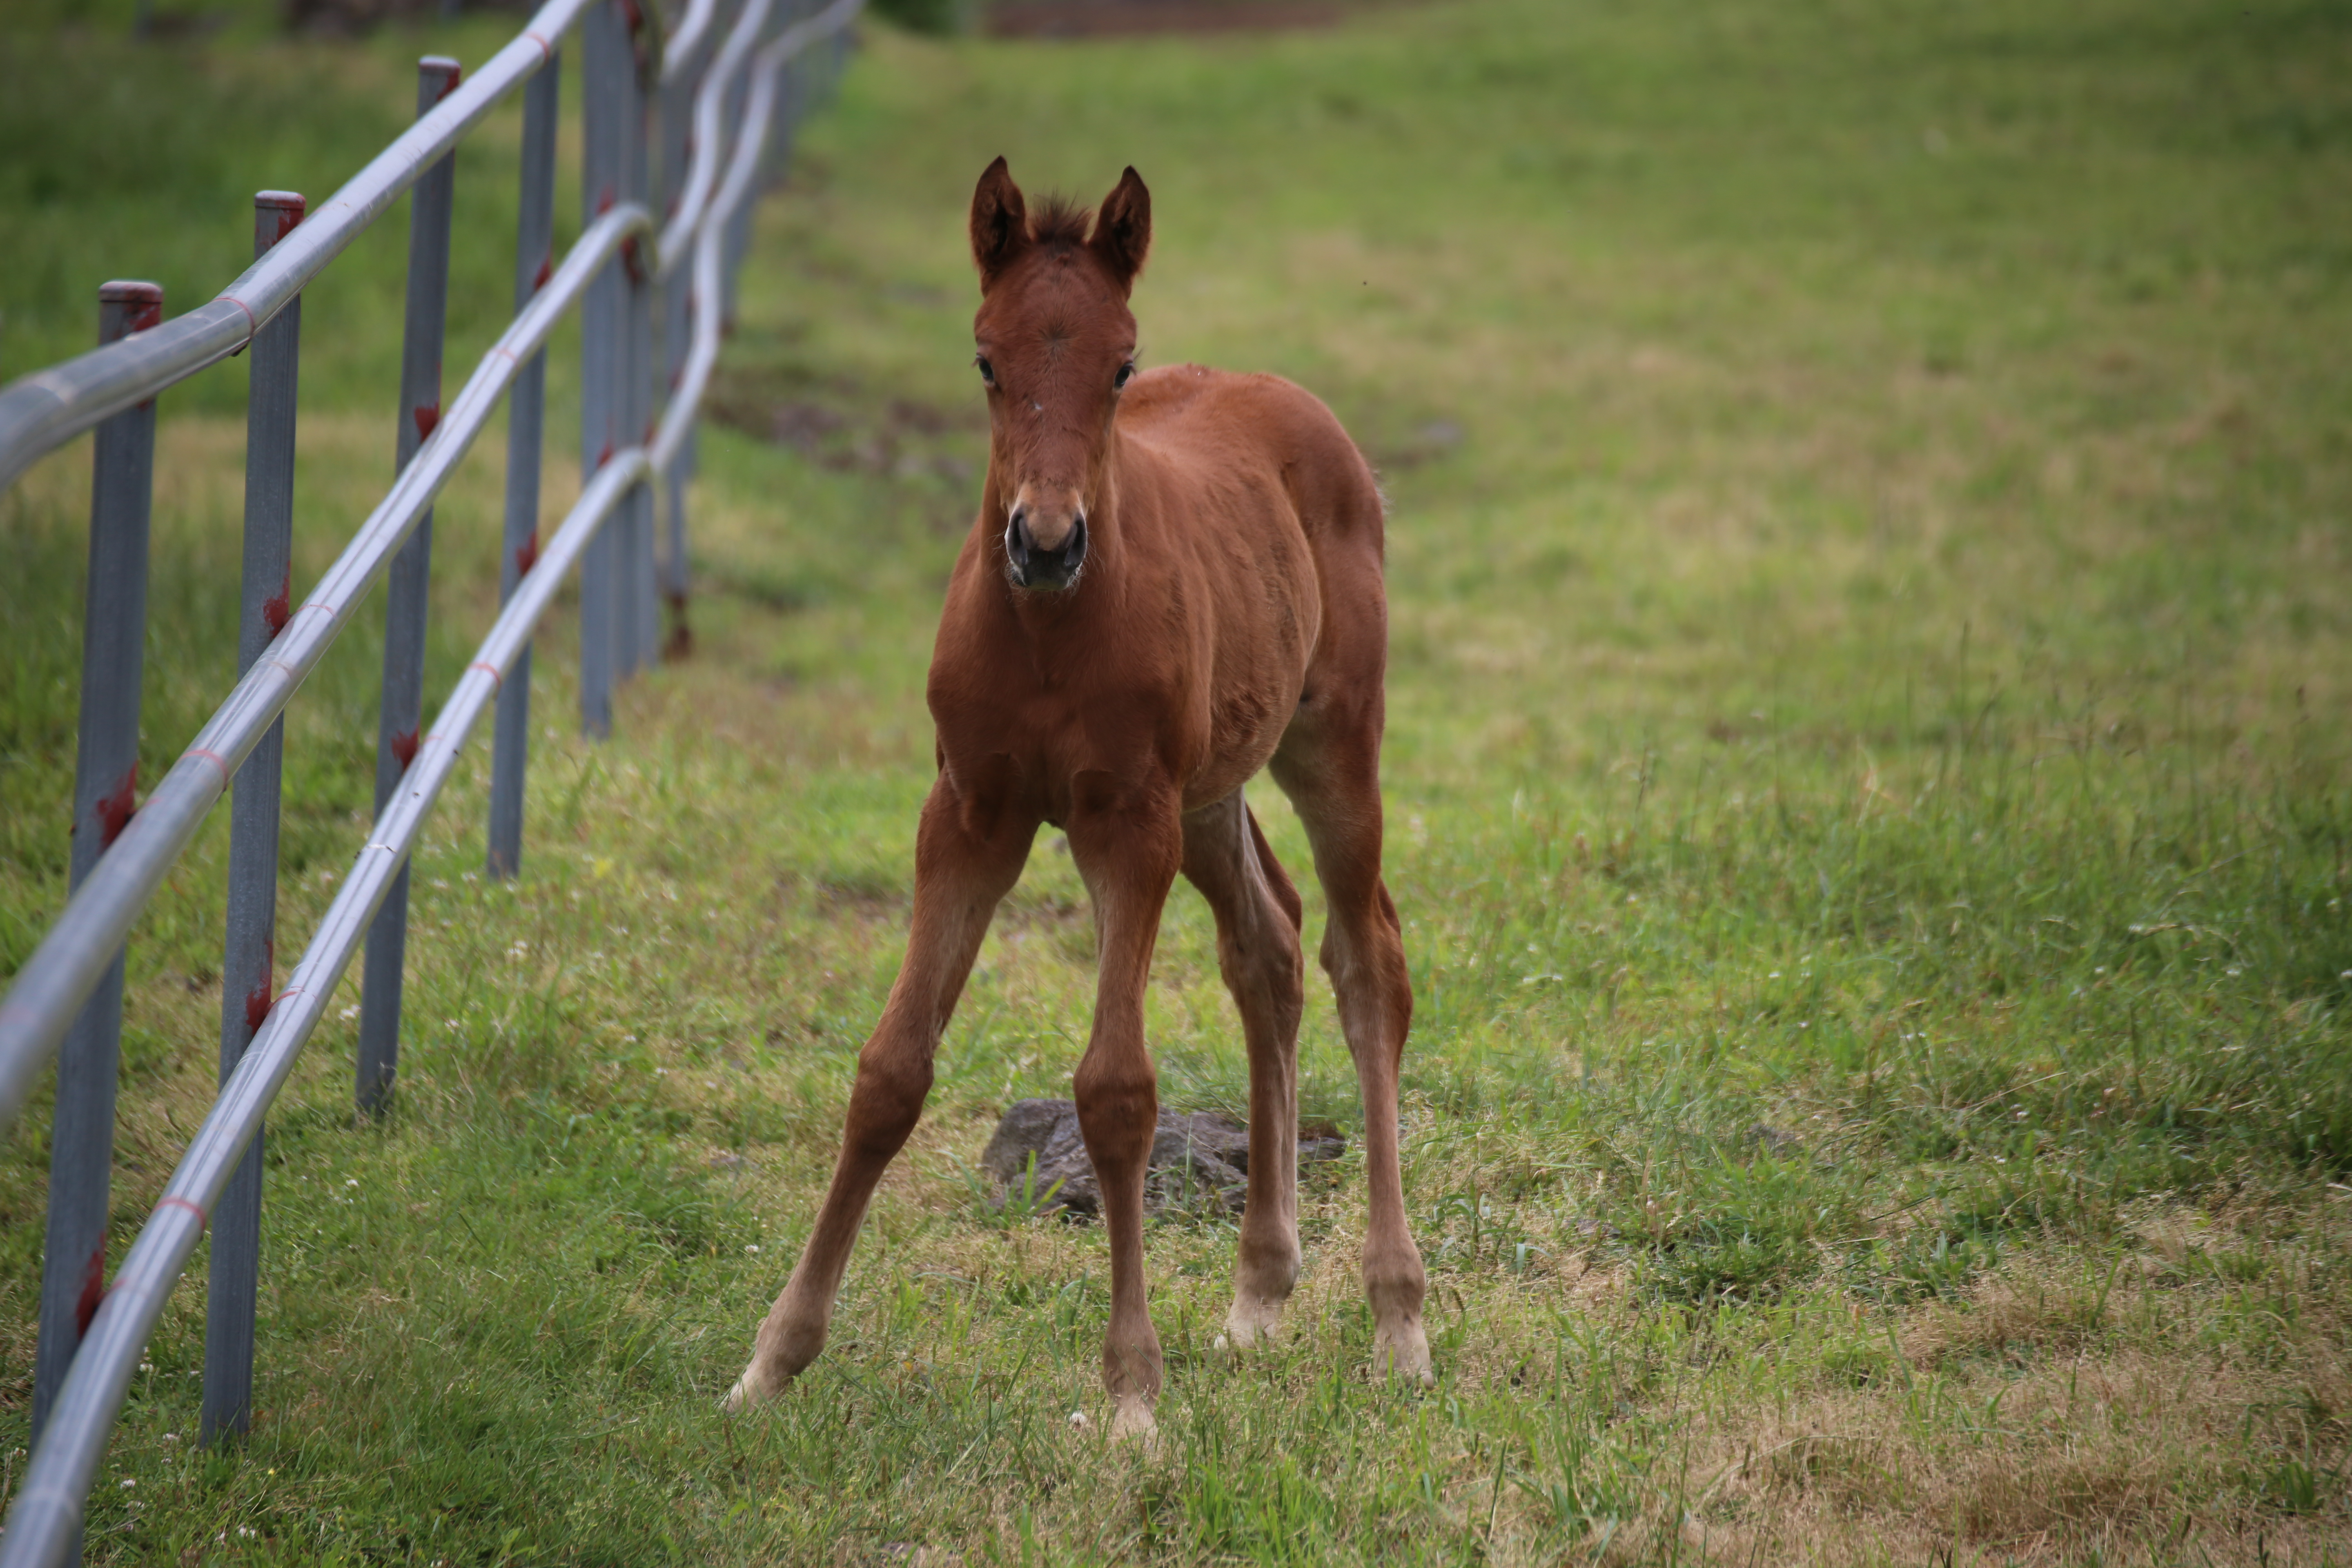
[
  {"x": 65, "y": 965},
  {"x": 48, "y": 1505},
  {"x": 44, "y": 410},
  {"x": 123, "y": 857},
  {"x": 743, "y": 168}
]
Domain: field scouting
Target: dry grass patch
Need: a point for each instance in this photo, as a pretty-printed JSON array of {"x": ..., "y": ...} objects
[{"x": 2048, "y": 1420}]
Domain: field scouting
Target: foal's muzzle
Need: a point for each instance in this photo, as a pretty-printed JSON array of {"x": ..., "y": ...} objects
[{"x": 1036, "y": 567}]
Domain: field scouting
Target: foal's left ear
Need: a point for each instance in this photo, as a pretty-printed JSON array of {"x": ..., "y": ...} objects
[{"x": 1122, "y": 235}]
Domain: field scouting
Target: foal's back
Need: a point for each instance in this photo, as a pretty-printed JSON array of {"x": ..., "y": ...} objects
[
  {"x": 1226, "y": 430},
  {"x": 1255, "y": 456}
]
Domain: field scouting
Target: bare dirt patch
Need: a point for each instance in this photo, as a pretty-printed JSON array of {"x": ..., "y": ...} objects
[
  {"x": 846, "y": 426},
  {"x": 1127, "y": 18}
]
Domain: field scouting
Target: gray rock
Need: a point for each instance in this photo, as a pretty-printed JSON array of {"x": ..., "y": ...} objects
[
  {"x": 1023, "y": 1132},
  {"x": 1199, "y": 1158}
]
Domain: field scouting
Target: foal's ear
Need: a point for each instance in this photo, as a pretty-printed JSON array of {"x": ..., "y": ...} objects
[
  {"x": 999, "y": 222},
  {"x": 1122, "y": 235}
]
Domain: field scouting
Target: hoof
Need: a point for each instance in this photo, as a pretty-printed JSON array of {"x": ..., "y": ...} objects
[
  {"x": 1131, "y": 1421},
  {"x": 1251, "y": 1322},
  {"x": 1402, "y": 1353},
  {"x": 750, "y": 1389}
]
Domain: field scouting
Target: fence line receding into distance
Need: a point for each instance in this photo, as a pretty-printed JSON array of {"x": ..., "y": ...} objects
[{"x": 702, "y": 115}]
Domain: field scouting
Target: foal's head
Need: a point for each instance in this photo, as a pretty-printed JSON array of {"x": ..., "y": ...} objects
[{"x": 1056, "y": 346}]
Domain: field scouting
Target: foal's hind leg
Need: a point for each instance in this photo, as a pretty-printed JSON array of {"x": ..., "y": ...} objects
[
  {"x": 1331, "y": 773},
  {"x": 967, "y": 857},
  {"x": 1257, "y": 913}
]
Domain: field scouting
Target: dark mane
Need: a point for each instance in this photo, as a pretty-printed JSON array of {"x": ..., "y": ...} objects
[{"x": 1060, "y": 222}]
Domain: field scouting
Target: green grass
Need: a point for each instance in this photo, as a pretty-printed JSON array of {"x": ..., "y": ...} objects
[{"x": 1867, "y": 776}]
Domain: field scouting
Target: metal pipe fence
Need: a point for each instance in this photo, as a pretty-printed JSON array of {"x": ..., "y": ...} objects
[
  {"x": 106, "y": 781},
  {"x": 248, "y": 967},
  {"x": 67, "y": 999}
]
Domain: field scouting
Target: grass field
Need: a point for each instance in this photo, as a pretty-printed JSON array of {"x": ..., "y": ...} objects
[{"x": 1870, "y": 552}]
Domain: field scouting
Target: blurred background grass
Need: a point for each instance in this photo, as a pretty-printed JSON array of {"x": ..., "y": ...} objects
[{"x": 1867, "y": 776}]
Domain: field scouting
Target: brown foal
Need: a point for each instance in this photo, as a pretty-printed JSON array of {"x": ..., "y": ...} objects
[{"x": 1174, "y": 581}]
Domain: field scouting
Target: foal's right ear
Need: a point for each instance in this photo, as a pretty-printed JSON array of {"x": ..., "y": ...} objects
[{"x": 999, "y": 222}]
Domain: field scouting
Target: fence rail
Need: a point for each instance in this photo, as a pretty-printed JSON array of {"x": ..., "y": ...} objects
[{"x": 69, "y": 991}]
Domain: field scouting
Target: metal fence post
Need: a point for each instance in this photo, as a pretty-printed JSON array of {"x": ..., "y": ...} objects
[
  {"x": 795, "y": 91},
  {"x": 677, "y": 328},
  {"x": 403, "y": 632},
  {"x": 627, "y": 361},
  {"x": 676, "y": 582},
  {"x": 642, "y": 604},
  {"x": 250, "y": 965},
  {"x": 734, "y": 240},
  {"x": 106, "y": 782},
  {"x": 604, "y": 69},
  {"x": 526, "y": 427},
  {"x": 736, "y": 237}
]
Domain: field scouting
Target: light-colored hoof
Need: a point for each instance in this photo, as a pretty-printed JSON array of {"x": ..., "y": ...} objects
[
  {"x": 750, "y": 1389},
  {"x": 1249, "y": 1324},
  {"x": 1131, "y": 1420},
  {"x": 1402, "y": 1353}
]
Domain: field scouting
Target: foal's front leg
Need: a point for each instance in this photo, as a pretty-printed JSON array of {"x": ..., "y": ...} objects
[
  {"x": 968, "y": 855},
  {"x": 1127, "y": 845}
]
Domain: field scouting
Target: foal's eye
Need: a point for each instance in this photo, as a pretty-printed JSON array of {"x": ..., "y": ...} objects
[
  {"x": 1125, "y": 374},
  {"x": 987, "y": 371}
]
